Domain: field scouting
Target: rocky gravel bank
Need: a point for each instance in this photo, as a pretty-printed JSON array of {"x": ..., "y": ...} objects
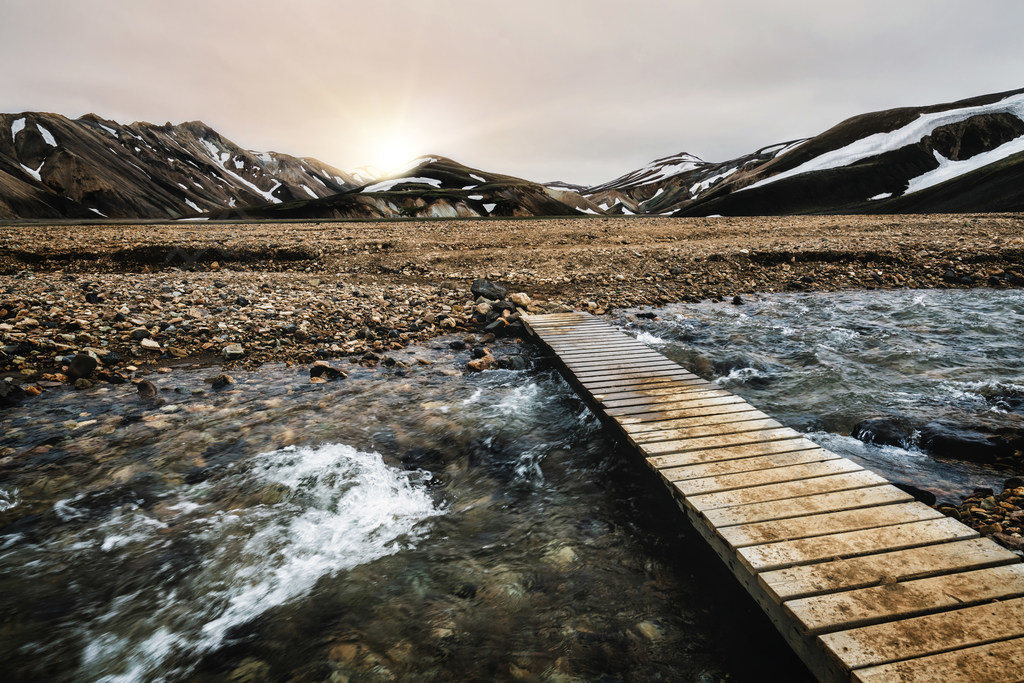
[{"x": 135, "y": 296}]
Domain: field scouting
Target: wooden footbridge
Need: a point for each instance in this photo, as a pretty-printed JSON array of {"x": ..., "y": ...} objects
[{"x": 862, "y": 581}]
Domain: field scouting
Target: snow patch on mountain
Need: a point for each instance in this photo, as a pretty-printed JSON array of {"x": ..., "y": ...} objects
[
  {"x": 910, "y": 134},
  {"x": 47, "y": 136},
  {"x": 388, "y": 184},
  {"x": 949, "y": 169}
]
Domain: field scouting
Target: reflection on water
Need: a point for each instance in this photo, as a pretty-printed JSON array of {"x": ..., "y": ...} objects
[
  {"x": 821, "y": 363},
  {"x": 401, "y": 524}
]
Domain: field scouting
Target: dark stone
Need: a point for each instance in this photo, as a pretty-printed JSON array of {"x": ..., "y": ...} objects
[
  {"x": 950, "y": 275},
  {"x": 222, "y": 380},
  {"x": 93, "y": 298},
  {"x": 10, "y": 394},
  {"x": 488, "y": 289},
  {"x": 112, "y": 358},
  {"x": 737, "y": 300},
  {"x": 423, "y": 458},
  {"x": 514, "y": 362},
  {"x": 197, "y": 475},
  {"x": 966, "y": 280},
  {"x": 140, "y": 334},
  {"x": 883, "y": 431},
  {"x": 920, "y": 495},
  {"x": 81, "y": 366},
  {"x": 147, "y": 390},
  {"x": 111, "y": 377},
  {"x": 120, "y": 317},
  {"x": 457, "y": 345},
  {"x": 982, "y": 492},
  {"x": 963, "y": 443},
  {"x": 497, "y": 327},
  {"x": 1013, "y": 483},
  {"x": 241, "y": 301},
  {"x": 500, "y": 306},
  {"x": 479, "y": 352}
]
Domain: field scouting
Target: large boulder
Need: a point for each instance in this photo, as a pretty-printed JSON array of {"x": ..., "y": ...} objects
[
  {"x": 489, "y": 290},
  {"x": 956, "y": 441}
]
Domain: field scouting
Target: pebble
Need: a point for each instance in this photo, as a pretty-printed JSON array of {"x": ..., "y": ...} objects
[{"x": 233, "y": 352}]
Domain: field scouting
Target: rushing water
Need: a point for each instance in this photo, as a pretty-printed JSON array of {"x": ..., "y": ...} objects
[
  {"x": 400, "y": 524},
  {"x": 426, "y": 524},
  {"x": 821, "y": 363}
]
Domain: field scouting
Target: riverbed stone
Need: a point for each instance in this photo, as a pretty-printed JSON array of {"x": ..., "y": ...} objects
[
  {"x": 81, "y": 366},
  {"x": 233, "y": 352}
]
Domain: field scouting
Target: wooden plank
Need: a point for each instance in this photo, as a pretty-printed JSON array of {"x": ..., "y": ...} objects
[
  {"x": 714, "y": 414},
  {"x": 623, "y": 370},
  {"x": 718, "y": 441},
  {"x": 807, "y": 505},
  {"x": 661, "y": 389},
  {"x": 563, "y": 345},
  {"x": 789, "y": 489},
  {"x": 623, "y": 354},
  {"x": 660, "y": 462},
  {"x": 676, "y": 411},
  {"x": 720, "y": 428},
  {"x": 600, "y": 344},
  {"x": 661, "y": 406},
  {"x": 989, "y": 663},
  {"x": 581, "y": 368},
  {"x": 783, "y": 554},
  {"x": 584, "y": 333},
  {"x": 680, "y": 394},
  {"x": 598, "y": 386},
  {"x": 827, "y": 523},
  {"x": 930, "y": 634},
  {"x": 619, "y": 375},
  {"x": 734, "y": 413},
  {"x": 595, "y": 342},
  {"x": 871, "y": 570},
  {"x": 713, "y": 469},
  {"x": 888, "y": 602},
  {"x": 761, "y": 477}
]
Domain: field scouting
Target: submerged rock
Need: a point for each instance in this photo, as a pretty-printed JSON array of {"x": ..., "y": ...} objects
[
  {"x": 953, "y": 441},
  {"x": 147, "y": 390},
  {"x": 323, "y": 370},
  {"x": 883, "y": 431}
]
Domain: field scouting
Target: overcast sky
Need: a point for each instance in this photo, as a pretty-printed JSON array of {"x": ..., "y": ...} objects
[{"x": 574, "y": 90}]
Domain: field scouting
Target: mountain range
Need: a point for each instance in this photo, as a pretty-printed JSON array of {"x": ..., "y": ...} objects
[{"x": 963, "y": 156}]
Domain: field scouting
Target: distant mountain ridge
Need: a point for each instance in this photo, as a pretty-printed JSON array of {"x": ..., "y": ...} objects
[
  {"x": 55, "y": 167},
  {"x": 965, "y": 156},
  {"x": 430, "y": 187}
]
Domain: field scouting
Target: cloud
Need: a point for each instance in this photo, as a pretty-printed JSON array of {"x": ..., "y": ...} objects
[{"x": 578, "y": 90}]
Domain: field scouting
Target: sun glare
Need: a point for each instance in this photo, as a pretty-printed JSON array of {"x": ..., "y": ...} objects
[{"x": 393, "y": 152}]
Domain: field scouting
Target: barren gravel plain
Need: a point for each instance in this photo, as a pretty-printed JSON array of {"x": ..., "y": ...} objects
[{"x": 136, "y": 295}]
